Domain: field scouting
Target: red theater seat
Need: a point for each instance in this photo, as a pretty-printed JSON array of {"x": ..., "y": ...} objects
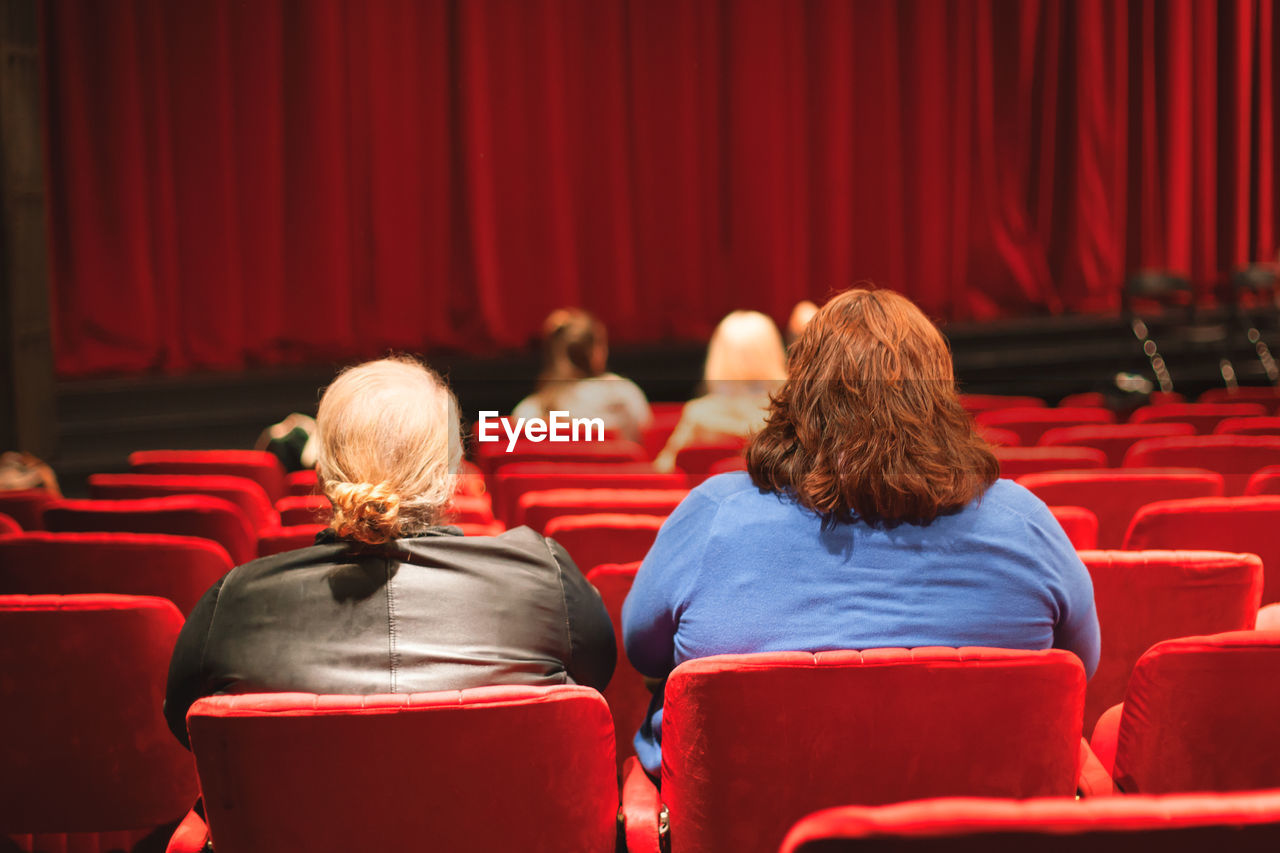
[
  {"x": 26, "y": 506},
  {"x": 1203, "y": 416},
  {"x": 752, "y": 743},
  {"x": 1264, "y": 481},
  {"x": 697, "y": 459},
  {"x": 1144, "y": 597},
  {"x": 654, "y": 436},
  {"x": 975, "y": 403},
  {"x": 241, "y": 491},
  {"x": 1268, "y": 396},
  {"x": 725, "y": 466},
  {"x": 180, "y": 515},
  {"x": 1112, "y": 439},
  {"x": 536, "y": 509},
  {"x": 1258, "y": 425},
  {"x": 490, "y": 456},
  {"x": 257, "y": 465},
  {"x": 1235, "y": 457},
  {"x": 1173, "y": 823},
  {"x": 301, "y": 483},
  {"x": 89, "y": 764},
  {"x": 627, "y": 694},
  {"x": 179, "y": 568},
  {"x": 1248, "y": 524},
  {"x": 471, "y": 509},
  {"x": 1017, "y": 462},
  {"x": 311, "y": 509},
  {"x": 999, "y": 437},
  {"x": 600, "y": 538},
  {"x": 8, "y": 526},
  {"x": 1115, "y": 494},
  {"x": 513, "y": 481},
  {"x": 1080, "y": 525},
  {"x": 288, "y": 539},
  {"x": 1200, "y": 714},
  {"x": 1031, "y": 423},
  {"x": 485, "y": 769}
]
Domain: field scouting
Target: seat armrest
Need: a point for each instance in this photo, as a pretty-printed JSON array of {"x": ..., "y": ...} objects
[
  {"x": 190, "y": 836},
  {"x": 641, "y": 808},
  {"x": 1094, "y": 780},
  {"x": 1105, "y": 735}
]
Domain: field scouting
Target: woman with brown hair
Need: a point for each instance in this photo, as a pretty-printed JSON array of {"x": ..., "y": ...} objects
[{"x": 870, "y": 516}]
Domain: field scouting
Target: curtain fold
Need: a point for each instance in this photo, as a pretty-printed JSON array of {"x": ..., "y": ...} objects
[{"x": 238, "y": 183}]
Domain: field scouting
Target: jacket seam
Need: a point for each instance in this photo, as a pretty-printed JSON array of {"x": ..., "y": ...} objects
[
  {"x": 564, "y": 598},
  {"x": 393, "y": 655}
]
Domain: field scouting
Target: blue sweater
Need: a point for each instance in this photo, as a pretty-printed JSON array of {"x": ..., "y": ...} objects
[{"x": 736, "y": 569}]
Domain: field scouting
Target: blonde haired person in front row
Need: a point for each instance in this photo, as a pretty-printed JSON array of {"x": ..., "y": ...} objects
[
  {"x": 389, "y": 600},
  {"x": 745, "y": 363}
]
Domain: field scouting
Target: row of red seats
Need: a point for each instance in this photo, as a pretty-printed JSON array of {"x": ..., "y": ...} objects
[{"x": 752, "y": 743}]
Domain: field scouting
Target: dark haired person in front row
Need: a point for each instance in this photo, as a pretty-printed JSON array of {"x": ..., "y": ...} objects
[
  {"x": 870, "y": 516},
  {"x": 388, "y": 600}
]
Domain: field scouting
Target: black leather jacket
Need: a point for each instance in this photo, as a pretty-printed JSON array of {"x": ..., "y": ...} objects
[{"x": 438, "y": 611}]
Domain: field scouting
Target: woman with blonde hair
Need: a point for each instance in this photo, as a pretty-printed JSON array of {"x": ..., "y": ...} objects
[
  {"x": 389, "y": 600},
  {"x": 745, "y": 362}
]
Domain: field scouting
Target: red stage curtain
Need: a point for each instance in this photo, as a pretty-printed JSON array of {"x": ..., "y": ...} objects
[{"x": 237, "y": 183}]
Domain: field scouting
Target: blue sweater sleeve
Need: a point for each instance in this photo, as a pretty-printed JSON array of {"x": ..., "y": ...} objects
[{"x": 650, "y": 615}]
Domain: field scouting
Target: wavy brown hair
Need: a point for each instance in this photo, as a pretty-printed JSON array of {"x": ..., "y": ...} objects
[{"x": 868, "y": 425}]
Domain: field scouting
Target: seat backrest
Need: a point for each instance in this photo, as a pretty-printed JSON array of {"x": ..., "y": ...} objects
[
  {"x": 752, "y": 743},
  {"x": 257, "y": 465},
  {"x": 492, "y": 455},
  {"x": 599, "y": 538},
  {"x": 512, "y": 481},
  {"x": 1080, "y": 525},
  {"x": 654, "y": 436},
  {"x": 1200, "y": 715},
  {"x": 490, "y": 768},
  {"x": 1173, "y": 823},
  {"x": 1264, "y": 481},
  {"x": 179, "y": 568},
  {"x": 8, "y": 525},
  {"x": 1144, "y": 597},
  {"x": 246, "y": 494},
  {"x": 1112, "y": 439},
  {"x": 536, "y": 509},
  {"x": 1258, "y": 425},
  {"x": 1017, "y": 462},
  {"x": 87, "y": 748},
  {"x": 627, "y": 694},
  {"x": 697, "y": 459},
  {"x": 308, "y": 509},
  {"x": 975, "y": 403},
  {"x": 1268, "y": 396},
  {"x": 1031, "y": 423},
  {"x": 471, "y": 509},
  {"x": 301, "y": 483},
  {"x": 1235, "y": 457},
  {"x": 180, "y": 515},
  {"x": 1247, "y": 524},
  {"x": 1203, "y": 416},
  {"x": 1115, "y": 494},
  {"x": 288, "y": 538},
  {"x": 26, "y": 506}
]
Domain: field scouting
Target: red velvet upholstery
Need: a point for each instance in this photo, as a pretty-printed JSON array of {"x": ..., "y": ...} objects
[
  {"x": 1115, "y": 494},
  {"x": 509, "y": 484},
  {"x": 1200, "y": 714},
  {"x": 1016, "y": 462},
  {"x": 1080, "y": 525},
  {"x": 1000, "y": 437},
  {"x": 288, "y": 538},
  {"x": 485, "y": 769},
  {"x": 311, "y": 509},
  {"x": 257, "y": 465},
  {"x": 27, "y": 506},
  {"x": 1144, "y": 597},
  {"x": 1031, "y": 423},
  {"x": 536, "y": 509},
  {"x": 1247, "y": 524},
  {"x": 491, "y": 455},
  {"x": 180, "y": 515},
  {"x": 976, "y": 403},
  {"x": 1112, "y": 439},
  {"x": 179, "y": 568},
  {"x": 627, "y": 694},
  {"x": 1264, "y": 481},
  {"x": 487, "y": 528},
  {"x": 241, "y": 491},
  {"x": 697, "y": 459},
  {"x": 86, "y": 748},
  {"x": 1258, "y": 425},
  {"x": 752, "y": 743},
  {"x": 301, "y": 483},
  {"x": 733, "y": 463},
  {"x": 471, "y": 509},
  {"x": 595, "y": 539},
  {"x": 1235, "y": 457},
  {"x": 1175, "y": 823},
  {"x": 8, "y": 525},
  {"x": 1268, "y": 396},
  {"x": 1203, "y": 416},
  {"x": 654, "y": 436}
]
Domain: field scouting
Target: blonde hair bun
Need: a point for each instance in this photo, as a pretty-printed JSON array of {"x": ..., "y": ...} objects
[{"x": 364, "y": 512}]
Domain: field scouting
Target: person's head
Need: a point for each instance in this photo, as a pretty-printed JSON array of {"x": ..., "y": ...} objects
[
  {"x": 745, "y": 355},
  {"x": 800, "y": 317},
  {"x": 868, "y": 424},
  {"x": 388, "y": 449},
  {"x": 574, "y": 345}
]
